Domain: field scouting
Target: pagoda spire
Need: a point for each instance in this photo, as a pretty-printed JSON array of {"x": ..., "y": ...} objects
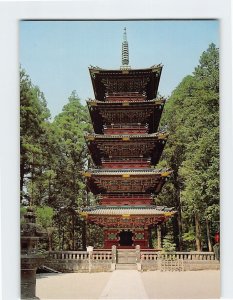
[{"x": 125, "y": 52}]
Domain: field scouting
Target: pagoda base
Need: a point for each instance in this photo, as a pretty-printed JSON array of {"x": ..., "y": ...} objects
[{"x": 126, "y": 238}]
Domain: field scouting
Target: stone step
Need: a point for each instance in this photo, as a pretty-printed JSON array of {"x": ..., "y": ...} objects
[
  {"x": 45, "y": 269},
  {"x": 126, "y": 250},
  {"x": 126, "y": 267}
]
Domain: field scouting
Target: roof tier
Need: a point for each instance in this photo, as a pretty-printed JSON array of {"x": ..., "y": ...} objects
[
  {"x": 102, "y": 181},
  {"x": 144, "y": 112},
  {"x": 127, "y": 217},
  {"x": 142, "y": 81},
  {"x": 147, "y": 146}
]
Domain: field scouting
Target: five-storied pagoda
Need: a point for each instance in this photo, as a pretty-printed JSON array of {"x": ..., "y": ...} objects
[{"x": 125, "y": 147}]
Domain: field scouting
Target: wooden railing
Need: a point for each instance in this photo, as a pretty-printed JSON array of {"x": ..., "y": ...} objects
[
  {"x": 121, "y": 97},
  {"x": 119, "y": 159},
  {"x": 125, "y": 196},
  {"x": 152, "y": 255},
  {"x": 126, "y": 126}
]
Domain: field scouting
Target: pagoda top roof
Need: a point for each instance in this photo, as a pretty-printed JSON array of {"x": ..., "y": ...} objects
[
  {"x": 129, "y": 210},
  {"x": 154, "y": 67},
  {"x": 143, "y": 81}
]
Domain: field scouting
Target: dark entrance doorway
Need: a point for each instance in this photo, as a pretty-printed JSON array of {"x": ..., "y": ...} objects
[{"x": 126, "y": 238}]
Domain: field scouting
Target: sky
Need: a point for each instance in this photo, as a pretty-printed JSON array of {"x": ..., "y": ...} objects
[{"x": 56, "y": 54}]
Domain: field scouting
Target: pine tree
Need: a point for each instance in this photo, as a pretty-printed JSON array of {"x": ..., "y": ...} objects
[{"x": 192, "y": 151}]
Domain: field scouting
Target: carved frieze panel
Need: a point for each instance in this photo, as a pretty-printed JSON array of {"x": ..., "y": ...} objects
[
  {"x": 126, "y": 149},
  {"x": 129, "y": 185},
  {"x": 125, "y": 84},
  {"x": 130, "y": 222},
  {"x": 126, "y": 116}
]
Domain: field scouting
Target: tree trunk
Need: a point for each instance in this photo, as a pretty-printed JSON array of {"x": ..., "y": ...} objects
[
  {"x": 21, "y": 182},
  {"x": 198, "y": 232},
  {"x": 159, "y": 237},
  {"x": 210, "y": 247},
  {"x": 150, "y": 237},
  {"x": 84, "y": 235},
  {"x": 178, "y": 219},
  {"x": 59, "y": 236},
  {"x": 73, "y": 232},
  {"x": 63, "y": 239},
  {"x": 50, "y": 241}
]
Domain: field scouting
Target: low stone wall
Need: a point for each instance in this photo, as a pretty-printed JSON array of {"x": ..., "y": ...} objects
[
  {"x": 79, "y": 261},
  {"x": 72, "y": 266},
  {"x": 193, "y": 265},
  {"x": 183, "y": 261},
  {"x": 150, "y": 260},
  {"x": 198, "y": 265}
]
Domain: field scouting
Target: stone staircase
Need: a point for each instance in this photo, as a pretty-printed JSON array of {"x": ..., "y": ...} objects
[
  {"x": 126, "y": 259},
  {"x": 126, "y": 256},
  {"x": 126, "y": 266}
]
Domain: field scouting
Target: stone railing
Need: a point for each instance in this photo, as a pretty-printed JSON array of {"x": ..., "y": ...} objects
[
  {"x": 102, "y": 255},
  {"x": 105, "y": 260},
  {"x": 81, "y": 261},
  {"x": 81, "y": 255},
  {"x": 154, "y": 255},
  {"x": 179, "y": 261}
]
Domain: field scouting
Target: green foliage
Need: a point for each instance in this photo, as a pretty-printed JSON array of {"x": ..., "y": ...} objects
[
  {"x": 53, "y": 156},
  {"x": 71, "y": 125},
  {"x": 34, "y": 122},
  {"x": 44, "y": 216},
  {"x": 192, "y": 151},
  {"x": 168, "y": 245},
  {"x": 23, "y": 210},
  {"x": 189, "y": 239}
]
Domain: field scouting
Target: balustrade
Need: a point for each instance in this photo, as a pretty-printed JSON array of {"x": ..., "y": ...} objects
[
  {"x": 122, "y": 97},
  {"x": 146, "y": 255},
  {"x": 81, "y": 255},
  {"x": 126, "y": 196},
  {"x": 154, "y": 255}
]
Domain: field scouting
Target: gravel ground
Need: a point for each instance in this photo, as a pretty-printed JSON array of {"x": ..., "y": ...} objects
[
  {"x": 124, "y": 284},
  {"x": 71, "y": 285},
  {"x": 182, "y": 285}
]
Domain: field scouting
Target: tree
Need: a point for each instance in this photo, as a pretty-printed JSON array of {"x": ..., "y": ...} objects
[
  {"x": 44, "y": 217},
  {"x": 192, "y": 117},
  {"x": 70, "y": 126},
  {"x": 34, "y": 116}
]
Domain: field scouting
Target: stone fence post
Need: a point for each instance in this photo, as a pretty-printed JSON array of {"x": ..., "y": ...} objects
[
  {"x": 138, "y": 257},
  {"x": 114, "y": 258}
]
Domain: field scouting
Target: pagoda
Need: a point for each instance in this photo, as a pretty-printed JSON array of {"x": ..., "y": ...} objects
[{"x": 125, "y": 148}]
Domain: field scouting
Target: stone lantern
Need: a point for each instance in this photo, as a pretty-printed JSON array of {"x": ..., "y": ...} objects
[{"x": 30, "y": 258}]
